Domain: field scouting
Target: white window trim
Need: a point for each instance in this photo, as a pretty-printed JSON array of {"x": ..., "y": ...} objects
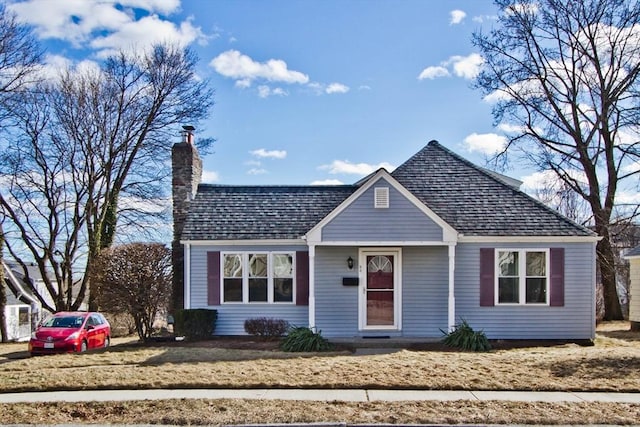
[
  {"x": 522, "y": 276},
  {"x": 245, "y": 277}
]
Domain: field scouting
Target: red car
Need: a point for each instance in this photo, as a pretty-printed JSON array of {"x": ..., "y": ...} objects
[{"x": 70, "y": 332}]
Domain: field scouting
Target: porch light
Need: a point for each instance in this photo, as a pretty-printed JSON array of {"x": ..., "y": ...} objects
[{"x": 350, "y": 263}]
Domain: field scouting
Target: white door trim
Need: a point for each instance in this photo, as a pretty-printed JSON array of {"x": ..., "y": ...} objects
[{"x": 397, "y": 287}]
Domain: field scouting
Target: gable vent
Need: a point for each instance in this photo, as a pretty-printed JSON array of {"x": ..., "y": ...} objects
[{"x": 381, "y": 198}]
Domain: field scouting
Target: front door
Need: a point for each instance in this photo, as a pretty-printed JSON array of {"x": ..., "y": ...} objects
[{"x": 379, "y": 303}]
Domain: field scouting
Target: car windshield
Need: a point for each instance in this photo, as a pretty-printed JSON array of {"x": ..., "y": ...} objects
[{"x": 64, "y": 322}]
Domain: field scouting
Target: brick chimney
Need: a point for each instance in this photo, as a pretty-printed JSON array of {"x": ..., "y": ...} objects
[{"x": 186, "y": 168}]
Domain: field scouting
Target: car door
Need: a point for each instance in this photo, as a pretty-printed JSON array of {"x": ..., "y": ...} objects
[{"x": 93, "y": 332}]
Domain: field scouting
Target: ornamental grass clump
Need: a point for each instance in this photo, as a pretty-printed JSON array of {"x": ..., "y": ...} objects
[
  {"x": 465, "y": 338},
  {"x": 303, "y": 339}
]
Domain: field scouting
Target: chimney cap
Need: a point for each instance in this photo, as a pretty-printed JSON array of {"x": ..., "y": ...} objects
[{"x": 188, "y": 128}]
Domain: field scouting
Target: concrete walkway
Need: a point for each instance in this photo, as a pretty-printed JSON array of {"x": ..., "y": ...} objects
[{"x": 347, "y": 395}]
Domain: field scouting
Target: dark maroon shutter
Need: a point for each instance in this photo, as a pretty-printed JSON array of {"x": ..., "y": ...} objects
[
  {"x": 213, "y": 278},
  {"x": 556, "y": 296},
  {"x": 302, "y": 278},
  {"x": 487, "y": 279}
]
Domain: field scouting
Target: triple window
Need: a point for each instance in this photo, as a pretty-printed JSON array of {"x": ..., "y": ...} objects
[
  {"x": 258, "y": 277},
  {"x": 522, "y": 276}
]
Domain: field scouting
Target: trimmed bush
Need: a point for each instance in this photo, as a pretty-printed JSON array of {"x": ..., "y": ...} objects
[
  {"x": 465, "y": 338},
  {"x": 265, "y": 327},
  {"x": 302, "y": 339},
  {"x": 195, "y": 324}
]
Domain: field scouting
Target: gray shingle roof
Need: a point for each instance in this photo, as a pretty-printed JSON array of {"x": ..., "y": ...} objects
[
  {"x": 634, "y": 252},
  {"x": 475, "y": 202},
  {"x": 260, "y": 212},
  {"x": 468, "y": 198}
]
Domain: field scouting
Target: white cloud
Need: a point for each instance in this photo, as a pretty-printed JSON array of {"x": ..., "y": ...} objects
[
  {"x": 146, "y": 32},
  {"x": 632, "y": 167},
  {"x": 257, "y": 171},
  {"x": 481, "y": 18},
  {"x": 362, "y": 169},
  {"x": 467, "y": 67},
  {"x": 457, "y": 16},
  {"x": 628, "y": 198},
  {"x": 337, "y": 88},
  {"x": 210, "y": 176},
  {"x": 522, "y": 8},
  {"x": 238, "y": 66},
  {"x": 265, "y": 91},
  {"x": 271, "y": 154},
  {"x": 487, "y": 143},
  {"x": 364, "y": 87},
  {"x": 538, "y": 180},
  {"x": 328, "y": 182},
  {"x": 433, "y": 72},
  {"x": 107, "y": 25}
]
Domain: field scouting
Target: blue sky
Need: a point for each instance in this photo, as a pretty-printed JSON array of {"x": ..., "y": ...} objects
[{"x": 306, "y": 91}]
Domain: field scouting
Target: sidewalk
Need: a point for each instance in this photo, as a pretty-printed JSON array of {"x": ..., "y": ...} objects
[{"x": 347, "y": 395}]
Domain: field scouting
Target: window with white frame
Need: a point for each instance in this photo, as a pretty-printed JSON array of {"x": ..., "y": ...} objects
[
  {"x": 522, "y": 276},
  {"x": 258, "y": 277}
]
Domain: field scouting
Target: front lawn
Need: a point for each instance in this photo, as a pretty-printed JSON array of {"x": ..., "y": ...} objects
[{"x": 612, "y": 364}]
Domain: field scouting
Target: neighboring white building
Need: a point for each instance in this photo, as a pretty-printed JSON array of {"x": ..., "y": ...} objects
[
  {"x": 634, "y": 287},
  {"x": 23, "y": 310}
]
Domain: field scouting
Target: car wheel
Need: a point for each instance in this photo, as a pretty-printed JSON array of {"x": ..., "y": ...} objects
[
  {"x": 83, "y": 346},
  {"x": 107, "y": 342}
]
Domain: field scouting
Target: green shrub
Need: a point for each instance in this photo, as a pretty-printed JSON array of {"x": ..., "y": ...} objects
[
  {"x": 302, "y": 339},
  {"x": 265, "y": 327},
  {"x": 195, "y": 324},
  {"x": 465, "y": 338}
]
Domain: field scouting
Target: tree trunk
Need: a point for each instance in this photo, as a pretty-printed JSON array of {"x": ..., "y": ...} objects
[
  {"x": 606, "y": 264},
  {"x": 3, "y": 293}
]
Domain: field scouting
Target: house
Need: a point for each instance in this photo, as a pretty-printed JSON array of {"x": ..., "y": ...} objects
[
  {"x": 634, "y": 287},
  {"x": 21, "y": 305},
  {"x": 403, "y": 254}
]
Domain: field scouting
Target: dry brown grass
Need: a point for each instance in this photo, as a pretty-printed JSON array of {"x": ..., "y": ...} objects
[
  {"x": 613, "y": 364},
  {"x": 224, "y": 411}
]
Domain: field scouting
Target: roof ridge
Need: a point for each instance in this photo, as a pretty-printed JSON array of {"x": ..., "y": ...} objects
[
  {"x": 205, "y": 185},
  {"x": 486, "y": 173}
]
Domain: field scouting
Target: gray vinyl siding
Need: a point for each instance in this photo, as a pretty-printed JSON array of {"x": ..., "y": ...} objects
[
  {"x": 231, "y": 317},
  {"x": 402, "y": 221},
  {"x": 634, "y": 291},
  {"x": 424, "y": 293},
  {"x": 336, "y": 305},
  {"x": 575, "y": 320}
]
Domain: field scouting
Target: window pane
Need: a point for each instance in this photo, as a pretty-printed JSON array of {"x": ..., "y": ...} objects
[
  {"x": 257, "y": 265},
  {"x": 232, "y": 265},
  {"x": 508, "y": 263},
  {"x": 508, "y": 290},
  {"x": 257, "y": 290},
  {"x": 233, "y": 290},
  {"x": 380, "y": 308},
  {"x": 536, "y": 264},
  {"x": 282, "y": 265},
  {"x": 537, "y": 290},
  {"x": 283, "y": 290}
]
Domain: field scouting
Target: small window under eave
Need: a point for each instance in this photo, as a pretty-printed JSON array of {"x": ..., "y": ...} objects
[{"x": 381, "y": 197}]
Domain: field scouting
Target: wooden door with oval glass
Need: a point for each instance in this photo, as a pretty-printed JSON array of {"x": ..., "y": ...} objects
[{"x": 379, "y": 300}]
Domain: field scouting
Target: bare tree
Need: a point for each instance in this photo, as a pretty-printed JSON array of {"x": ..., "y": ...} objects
[
  {"x": 565, "y": 73},
  {"x": 135, "y": 279},
  {"x": 20, "y": 57},
  {"x": 92, "y": 149}
]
